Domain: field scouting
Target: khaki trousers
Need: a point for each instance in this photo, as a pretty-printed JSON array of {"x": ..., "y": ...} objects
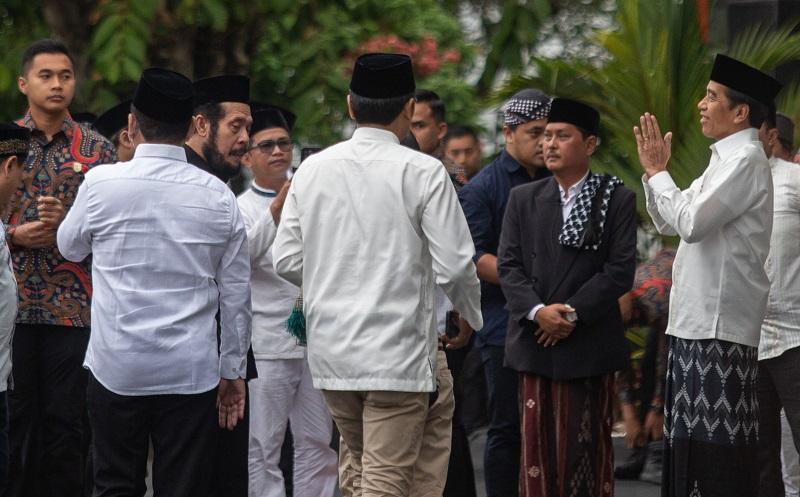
[{"x": 430, "y": 468}]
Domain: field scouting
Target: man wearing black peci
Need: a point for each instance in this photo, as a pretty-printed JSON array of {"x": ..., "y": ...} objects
[
  {"x": 567, "y": 253},
  {"x": 218, "y": 139}
]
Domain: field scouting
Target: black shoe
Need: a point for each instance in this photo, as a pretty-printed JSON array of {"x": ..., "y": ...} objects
[
  {"x": 630, "y": 469},
  {"x": 651, "y": 472}
]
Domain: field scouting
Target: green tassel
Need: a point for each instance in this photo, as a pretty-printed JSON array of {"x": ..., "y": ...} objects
[{"x": 296, "y": 324}]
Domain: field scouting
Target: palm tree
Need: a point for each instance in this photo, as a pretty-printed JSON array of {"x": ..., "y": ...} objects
[{"x": 657, "y": 62}]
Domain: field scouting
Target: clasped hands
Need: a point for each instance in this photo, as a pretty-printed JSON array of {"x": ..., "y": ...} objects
[
  {"x": 654, "y": 150},
  {"x": 553, "y": 324},
  {"x": 41, "y": 233}
]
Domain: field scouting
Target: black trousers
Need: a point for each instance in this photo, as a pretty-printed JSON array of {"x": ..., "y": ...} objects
[
  {"x": 47, "y": 403},
  {"x": 460, "y": 474},
  {"x": 183, "y": 429},
  {"x": 778, "y": 387},
  {"x": 231, "y": 468}
]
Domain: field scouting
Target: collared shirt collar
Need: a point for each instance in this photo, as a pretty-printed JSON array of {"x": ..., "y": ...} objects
[
  {"x": 572, "y": 190},
  {"x": 509, "y": 162},
  {"x": 266, "y": 192},
  {"x": 727, "y": 146},
  {"x": 160, "y": 150},
  {"x": 66, "y": 126},
  {"x": 377, "y": 134}
]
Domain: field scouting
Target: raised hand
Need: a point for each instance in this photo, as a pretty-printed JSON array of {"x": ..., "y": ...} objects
[{"x": 654, "y": 150}]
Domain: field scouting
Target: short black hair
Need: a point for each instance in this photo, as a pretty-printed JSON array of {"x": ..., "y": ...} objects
[
  {"x": 21, "y": 158},
  {"x": 43, "y": 46},
  {"x": 459, "y": 131},
  {"x": 431, "y": 98},
  {"x": 212, "y": 111},
  {"x": 758, "y": 110},
  {"x": 377, "y": 110},
  {"x": 153, "y": 130}
]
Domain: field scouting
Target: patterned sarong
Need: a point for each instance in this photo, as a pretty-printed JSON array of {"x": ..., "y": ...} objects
[
  {"x": 566, "y": 437},
  {"x": 710, "y": 420}
]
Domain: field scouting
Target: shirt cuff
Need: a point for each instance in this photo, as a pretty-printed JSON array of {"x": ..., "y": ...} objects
[
  {"x": 232, "y": 368},
  {"x": 661, "y": 182},
  {"x": 532, "y": 314}
]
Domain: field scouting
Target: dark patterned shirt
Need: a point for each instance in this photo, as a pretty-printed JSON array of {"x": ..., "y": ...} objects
[{"x": 53, "y": 290}]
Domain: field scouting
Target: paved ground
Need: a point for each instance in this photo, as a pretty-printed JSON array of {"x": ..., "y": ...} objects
[
  {"x": 478, "y": 442},
  {"x": 622, "y": 488}
]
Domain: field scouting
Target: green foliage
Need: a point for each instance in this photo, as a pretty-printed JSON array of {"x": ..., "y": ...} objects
[
  {"x": 119, "y": 41},
  {"x": 658, "y": 63},
  {"x": 18, "y": 21},
  {"x": 304, "y": 60}
]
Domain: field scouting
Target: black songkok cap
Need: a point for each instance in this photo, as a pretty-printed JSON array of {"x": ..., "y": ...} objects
[
  {"x": 745, "y": 79},
  {"x": 165, "y": 96},
  {"x": 83, "y": 117},
  {"x": 226, "y": 88},
  {"x": 113, "y": 120},
  {"x": 564, "y": 110},
  {"x": 270, "y": 116},
  {"x": 14, "y": 140},
  {"x": 382, "y": 75}
]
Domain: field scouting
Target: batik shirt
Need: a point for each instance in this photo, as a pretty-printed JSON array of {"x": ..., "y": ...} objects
[{"x": 52, "y": 290}]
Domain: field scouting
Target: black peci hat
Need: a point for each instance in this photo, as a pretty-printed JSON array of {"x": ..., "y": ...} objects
[
  {"x": 564, "y": 110},
  {"x": 225, "y": 88},
  {"x": 382, "y": 75},
  {"x": 270, "y": 116},
  {"x": 83, "y": 117},
  {"x": 164, "y": 96},
  {"x": 113, "y": 120},
  {"x": 14, "y": 140},
  {"x": 745, "y": 79}
]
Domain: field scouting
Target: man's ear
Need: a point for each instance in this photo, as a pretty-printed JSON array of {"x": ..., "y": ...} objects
[
  {"x": 742, "y": 114},
  {"x": 22, "y": 84},
  {"x": 442, "y": 130},
  {"x": 201, "y": 125},
  {"x": 773, "y": 136},
  {"x": 125, "y": 138},
  {"x": 350, "y": 108},
  {"x": 408, "y": 109},
  {"x": 7, "y": 164},
  {"x": 591, "y": 145},
  {"x": 508, "y": 134}
]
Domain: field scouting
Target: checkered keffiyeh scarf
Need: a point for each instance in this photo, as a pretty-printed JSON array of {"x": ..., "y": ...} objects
[
  {"x": 522, "y": 110},
  {"x": 584, "y": 226}
]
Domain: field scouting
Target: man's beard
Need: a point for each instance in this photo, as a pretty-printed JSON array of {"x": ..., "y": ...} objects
[{"x": 216, "y": 160}]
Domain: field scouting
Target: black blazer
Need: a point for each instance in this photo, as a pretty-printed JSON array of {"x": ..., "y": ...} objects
[{"x": 535, "y": 269}]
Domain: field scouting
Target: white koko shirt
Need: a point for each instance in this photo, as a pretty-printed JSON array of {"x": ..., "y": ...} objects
[
  {"x": 724, "y": 219},
  {"x": 368, "y": 227},
  {"x": 781, "y": 329},
  {"x": 272, "y": 296},
  {"x": 168, "y": 250}
]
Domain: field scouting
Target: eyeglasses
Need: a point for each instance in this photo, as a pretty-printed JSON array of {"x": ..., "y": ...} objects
[{"x": 267, "y": 146}]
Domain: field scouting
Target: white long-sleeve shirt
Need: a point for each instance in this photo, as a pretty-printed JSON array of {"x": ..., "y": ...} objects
[
  {"x": 272, "y": 296},
  {"x": 781, "y": 328},
  {"x": 367, "y": 226},
  {"x": 8, "y": 310},
  {"x": 724, "y": 219},
  {"x": 168, "y": 250}
]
